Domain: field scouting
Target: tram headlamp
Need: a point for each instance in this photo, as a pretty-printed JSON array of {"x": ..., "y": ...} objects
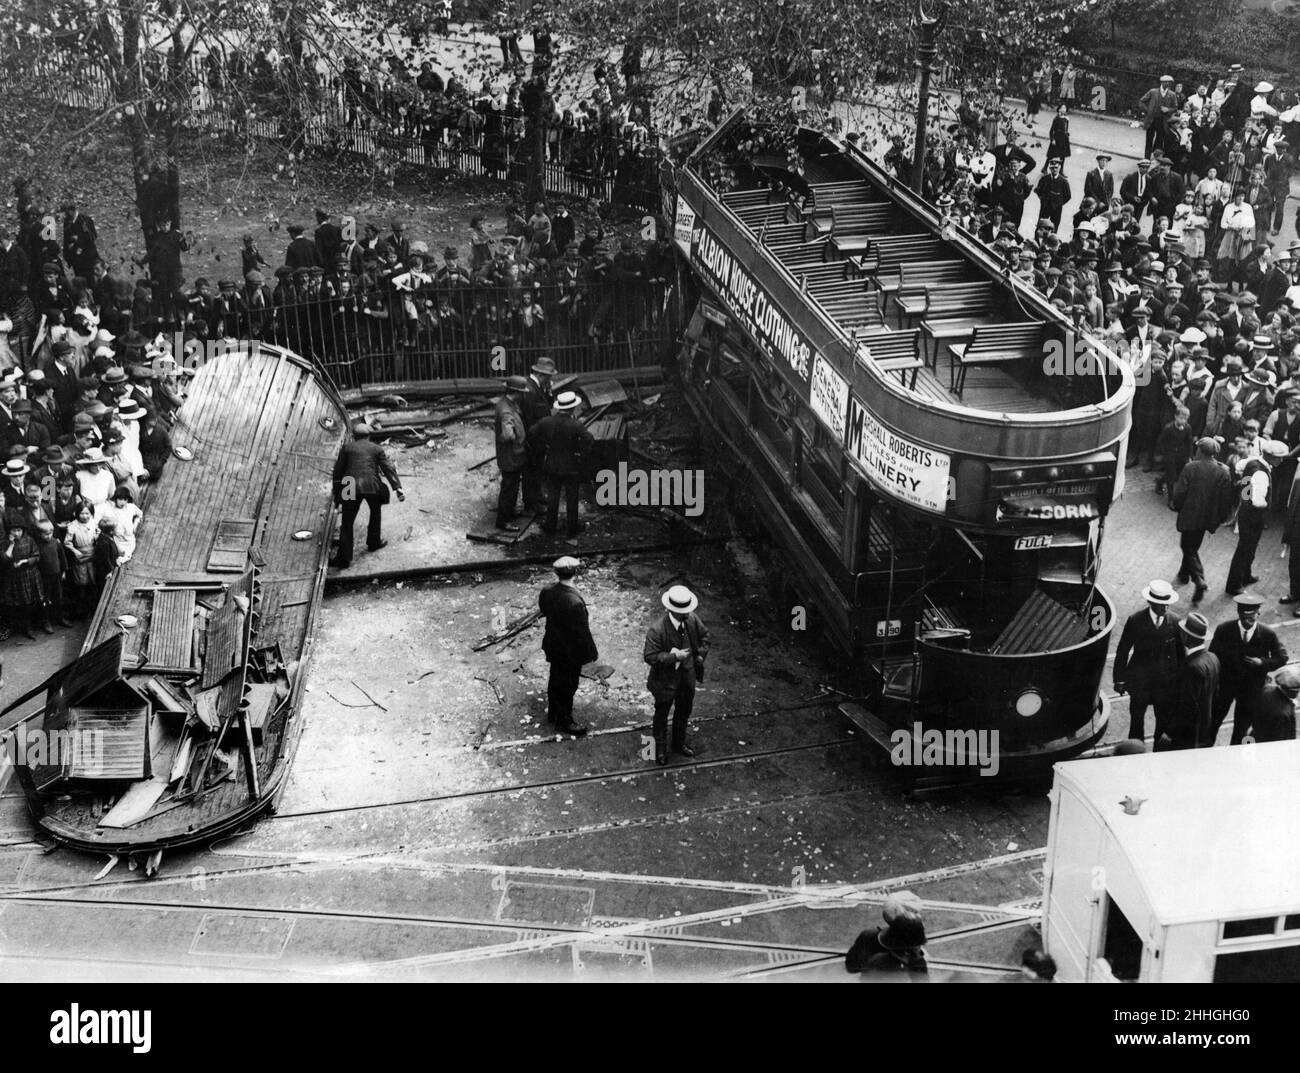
[{"x": 1029, "y": 703}]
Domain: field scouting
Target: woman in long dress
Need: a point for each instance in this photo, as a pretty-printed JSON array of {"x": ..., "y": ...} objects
[{"x": 1058, "y": 138}]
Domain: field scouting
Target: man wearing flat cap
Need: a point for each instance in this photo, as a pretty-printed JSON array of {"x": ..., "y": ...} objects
[
  {"x": 1148, "y": 657},
  {"x": 511, "y": 440},
  {"x": 1248, "y": 652},
  {"x": 1203, "y": 498},
  {"x": 1274, "y": 719},
  {"x": 568, "y": 644},
  {"x": 1099, "y": 183},
  {"x": 675, "y": 648},
  {"x": 1157, "y": 105},
  {"x": 359, "y": 475},
  {"x": 1188, "y": 724},
  {"x": 1136, "y": 189}
]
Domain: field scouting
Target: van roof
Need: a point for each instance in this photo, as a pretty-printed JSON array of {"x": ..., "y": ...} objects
[{"x": 1217, "y": 835}]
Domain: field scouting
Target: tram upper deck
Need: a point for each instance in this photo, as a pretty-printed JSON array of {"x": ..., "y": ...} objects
[{"x": 896, "y": 327}]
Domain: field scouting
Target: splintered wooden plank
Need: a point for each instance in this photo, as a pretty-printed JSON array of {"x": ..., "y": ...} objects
[
  {"x": 171, "y": 628},
  {"x": 229, "y": 554}
]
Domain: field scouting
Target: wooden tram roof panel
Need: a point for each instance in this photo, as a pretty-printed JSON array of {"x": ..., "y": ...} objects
[
  {"x": 254, "y": 421},
  {"x": 997, "y": 418}
]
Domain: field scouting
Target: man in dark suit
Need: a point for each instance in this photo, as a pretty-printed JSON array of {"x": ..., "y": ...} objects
[
  {"x": 1248, "y": 651},
  {"x": 329, "y": 237},
  {"x": 535, "y": 404},
  {"x": 1147, "y": 660},
  {"x": 79, "y": 242},
  {"x": 1137, "y": 189},
  {"x": 1099, "y": 183},
  {"x": 1274, "y": 719},
  {"x": 1274, "y": 285},
  {"x": 675, "y": 648},
  {"x": 1053, "y": 192},
  {"x": 301, "y": 251},
  {"x": 1188, "y": 724},
  {"x": 568, "y": 644},
  {"x": 357, "y": 474},
  {"x": 1168, "y": 187},
  {"x": 63, "y": 381},
  {"x": 1203, "y": 499},
  {"x": 564, "y": 445}
]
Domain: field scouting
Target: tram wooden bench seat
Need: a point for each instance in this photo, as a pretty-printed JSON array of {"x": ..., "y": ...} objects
[
  {"x": 886, "y": 254},
  {"x": 934, "y": 300},
  {"x": 747, "y": 198},
  {"x": 860, "y": 317},
  {"x": 782, "y": 235},
  {"x": 994, "y": 344},
  {"x": 894, "y": 352},
  {"x": 799, "y": 252},
  {"x": 764, "y": 216},
  {"x": 913, "y": 274},
  {"x": 1041, "y": 625},
  {"x": 822, "y": 272},
  {"x": 853, "y": 226},
  {"x": 823, "y": 196}
]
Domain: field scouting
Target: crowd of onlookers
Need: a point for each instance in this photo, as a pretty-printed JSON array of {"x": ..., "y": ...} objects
[{"x": 93, "y": 365}]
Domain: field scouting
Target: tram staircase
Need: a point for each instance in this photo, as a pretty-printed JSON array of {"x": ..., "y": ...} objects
[{"x": 844, "y": 248}]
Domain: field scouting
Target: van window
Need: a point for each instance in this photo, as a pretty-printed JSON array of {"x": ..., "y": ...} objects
[
  {"x": 1278, "y": 965},
  {"x": 1241, "y": 929}
]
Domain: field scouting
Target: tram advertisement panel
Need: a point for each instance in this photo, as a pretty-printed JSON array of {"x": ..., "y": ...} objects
[
  {"x": 683, "y": 225},
  {"x": 782, "y": 344},
  {"x": 909, "y": 471},
  {"x": 829, "y": 397}
]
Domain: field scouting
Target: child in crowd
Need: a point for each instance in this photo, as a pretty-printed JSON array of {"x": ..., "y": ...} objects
[
  {"x": 105, "y": 554},
  {"x": 80, "y": 543},
  {"x": 126, "y": 518},
  {"x": 50, "y": 565}
]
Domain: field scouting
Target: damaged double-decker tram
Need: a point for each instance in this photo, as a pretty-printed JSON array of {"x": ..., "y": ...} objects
[{"x": 930, "y": 446}]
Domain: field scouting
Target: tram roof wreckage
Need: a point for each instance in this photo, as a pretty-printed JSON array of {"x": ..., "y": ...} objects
[{"x": 193, "y": 668}]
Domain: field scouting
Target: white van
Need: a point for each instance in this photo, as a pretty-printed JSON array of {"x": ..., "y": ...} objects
[{"x": 1196, "y": 880}]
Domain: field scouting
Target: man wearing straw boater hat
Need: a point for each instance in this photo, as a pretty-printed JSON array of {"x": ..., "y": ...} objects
[
  {"x": 564, "y": 444},
  {"x": 1146, "y": 662},
  {"x": 675, "y": 647}
]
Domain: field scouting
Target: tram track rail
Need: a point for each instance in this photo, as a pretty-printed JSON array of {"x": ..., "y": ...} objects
[{"x": 533, "y": 936}]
